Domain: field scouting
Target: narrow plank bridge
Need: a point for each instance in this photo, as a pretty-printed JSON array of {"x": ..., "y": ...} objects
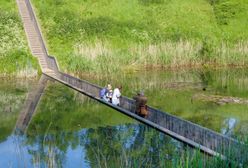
[{"x": 192, "y": 134}]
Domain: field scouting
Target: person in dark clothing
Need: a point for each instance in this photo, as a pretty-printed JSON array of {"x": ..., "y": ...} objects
[
  {"x": 104, "y": 91},
  {"x": 109, "y": 95},
  {"x": 140, "y": 102}
]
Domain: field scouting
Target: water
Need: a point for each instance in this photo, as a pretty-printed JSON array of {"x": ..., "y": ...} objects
[
  {"x": 180, "y": 93},
  {"x": 71, "y": 130}
]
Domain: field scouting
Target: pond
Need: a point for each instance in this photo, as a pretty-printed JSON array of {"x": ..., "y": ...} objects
[
  {"x": 195, "y": 95},
  {"x": 70, "y": 130}
]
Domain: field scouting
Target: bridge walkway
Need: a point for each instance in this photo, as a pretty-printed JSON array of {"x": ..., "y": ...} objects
[
  {"x": 34, "y": 36},
  {"x": 192, "y": 134}
]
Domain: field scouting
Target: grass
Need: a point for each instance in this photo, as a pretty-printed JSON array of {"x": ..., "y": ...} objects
[
  {"x": 113, "y": 36},
  {"x": 15, "y": 57}
]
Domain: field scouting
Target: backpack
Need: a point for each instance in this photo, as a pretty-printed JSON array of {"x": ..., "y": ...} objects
[{"x": 102, "y": 92}]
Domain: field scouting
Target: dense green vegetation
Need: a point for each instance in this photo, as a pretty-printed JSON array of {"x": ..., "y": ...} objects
[
  {"x": 113, "y": 35},
  {"x": 15, "y": 57}
]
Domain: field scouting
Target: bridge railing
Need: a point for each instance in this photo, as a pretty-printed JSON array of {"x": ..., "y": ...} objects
[
  {"x": 52, "y": 63},
  {"x": 87, "y": 87},
  {"x": 205, "y": 139},
  {"x": 195, "y": 135},
  {"x": 37, "y": 27}
]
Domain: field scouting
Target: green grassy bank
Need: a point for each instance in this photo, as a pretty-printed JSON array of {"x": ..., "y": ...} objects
[
  {"x": 106, "y": 36},
  {"x": 15, "y": 57}
]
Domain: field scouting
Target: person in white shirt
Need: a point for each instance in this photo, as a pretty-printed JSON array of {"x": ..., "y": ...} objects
[{"x": 116, "y": 96}]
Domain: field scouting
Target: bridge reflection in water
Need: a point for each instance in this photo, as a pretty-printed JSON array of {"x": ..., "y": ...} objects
[
  {"x": 192, "y": 134},
  {"x": 30, "y": 105}
]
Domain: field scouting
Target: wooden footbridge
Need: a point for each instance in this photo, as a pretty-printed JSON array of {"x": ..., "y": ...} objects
[{"x": 192, "y": 134}]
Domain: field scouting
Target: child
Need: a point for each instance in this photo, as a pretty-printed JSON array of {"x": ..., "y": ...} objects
[{"x": 109, "y": 95}]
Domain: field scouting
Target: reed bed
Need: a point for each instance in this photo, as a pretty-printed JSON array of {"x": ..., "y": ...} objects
[{"x": 101, "y": 57}]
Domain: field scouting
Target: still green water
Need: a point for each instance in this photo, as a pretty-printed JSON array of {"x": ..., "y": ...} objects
[
  {"x": 176, "y": 93},
  {"x": 71, "y": 130}
]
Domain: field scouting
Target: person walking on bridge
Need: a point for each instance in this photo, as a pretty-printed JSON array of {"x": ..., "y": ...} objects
[
  {"x": 104, "y": 91},
  {"x": 109, "y": 96},
  {"x": 116, "y": 96},
  {"x": 140, "y": 102}
]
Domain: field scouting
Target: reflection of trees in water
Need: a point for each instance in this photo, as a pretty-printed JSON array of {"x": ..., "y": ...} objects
[
  {"x": 131, "y": 146},
  {"x": 48, "y": 151},
  {"x": 12, "y": 96},
  {"x": 116, "y": 146}
]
